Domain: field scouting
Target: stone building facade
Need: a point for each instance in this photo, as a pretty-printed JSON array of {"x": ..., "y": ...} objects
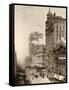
[
  {"x": 36, "y": 49},
  {"x": 38, "y": 57},
  {"x": 55, "y": 31}
]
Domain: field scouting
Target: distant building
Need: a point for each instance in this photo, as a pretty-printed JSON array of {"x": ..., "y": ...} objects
[
  {"x": 36, "y": 49},
  {"x": 39, "y": 56},
  {"x": 33, "y": 40},
  {"x": 55, "y": 43}
]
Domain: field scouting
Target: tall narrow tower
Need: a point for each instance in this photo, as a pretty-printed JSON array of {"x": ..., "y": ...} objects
[{"x": 49, "y": 31}]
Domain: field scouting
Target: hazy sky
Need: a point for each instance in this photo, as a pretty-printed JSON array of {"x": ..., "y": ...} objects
[{"x": 29, "y": 19}]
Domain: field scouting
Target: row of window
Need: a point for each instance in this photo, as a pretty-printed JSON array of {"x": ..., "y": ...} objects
[
  {"x": 61, "y": 27},
  {"x": 59, "y": 21},
  {"x": 59, "y": 35}
]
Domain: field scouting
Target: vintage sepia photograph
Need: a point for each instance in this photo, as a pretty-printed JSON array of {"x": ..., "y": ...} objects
[{"x": 40, "y": 44}]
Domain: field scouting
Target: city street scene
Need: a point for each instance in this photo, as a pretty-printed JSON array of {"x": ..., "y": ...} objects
[{"x": 40, "y": 45}]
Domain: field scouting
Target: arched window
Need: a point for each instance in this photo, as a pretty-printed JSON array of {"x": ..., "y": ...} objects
[
  {"x": 56, "y": 34},
  {"x": 60, "y": 27},
  {"x": 60, "y": 21},
  {"x": 60, "y": 34},
  {"x": 57, "y": 27}
]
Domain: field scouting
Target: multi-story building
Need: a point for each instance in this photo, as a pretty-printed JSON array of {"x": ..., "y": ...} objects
[
  {"x": 36, "y": 49},
  {"x": 39, "y": 56},
  {"x": 55, "y": 30}
]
